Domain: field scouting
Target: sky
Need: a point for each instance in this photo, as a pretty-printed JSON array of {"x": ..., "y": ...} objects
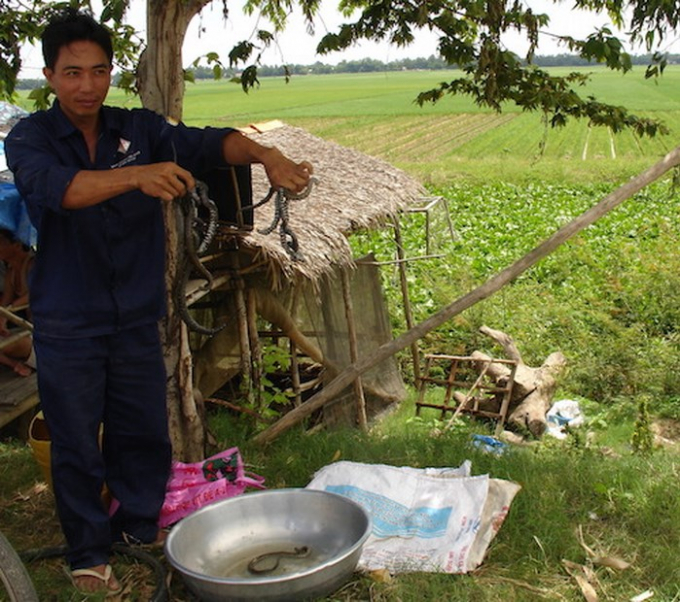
[
  {"x": 298, "y": 47},
  {"x": 209, "y": 33}
]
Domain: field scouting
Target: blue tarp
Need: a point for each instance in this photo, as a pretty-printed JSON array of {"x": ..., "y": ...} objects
[
  {"x": 13, "y": 214},
  {"x": 10, "y": 113}
]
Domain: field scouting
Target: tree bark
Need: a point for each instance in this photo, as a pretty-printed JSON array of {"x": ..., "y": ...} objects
[
  {"x": 160, "y": 79},
  {"x": 533, "y": 388},
  {"x": 160, "y": 76}
]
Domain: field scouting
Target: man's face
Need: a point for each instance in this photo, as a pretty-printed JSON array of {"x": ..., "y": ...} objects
[{"x": 80, "y": 79}]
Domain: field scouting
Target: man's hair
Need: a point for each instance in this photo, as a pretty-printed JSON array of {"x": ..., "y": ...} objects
[{"x": 71, "y": 25}]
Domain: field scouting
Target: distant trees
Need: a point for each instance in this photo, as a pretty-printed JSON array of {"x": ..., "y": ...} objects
[{"x": 431, "y": 63}]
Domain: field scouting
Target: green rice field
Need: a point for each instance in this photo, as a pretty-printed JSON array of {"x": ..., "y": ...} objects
[{"x": 376, "y": 114}]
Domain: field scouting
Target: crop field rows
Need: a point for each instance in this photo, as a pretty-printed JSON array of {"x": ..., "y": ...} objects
[
  {"x": 375, "y": 113},
  {"x": 414, "y": 139}
]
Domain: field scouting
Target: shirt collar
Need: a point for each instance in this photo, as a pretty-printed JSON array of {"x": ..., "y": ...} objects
[
  {"x": 64, "y": 128},
  {"x": 110, "y": 121}
]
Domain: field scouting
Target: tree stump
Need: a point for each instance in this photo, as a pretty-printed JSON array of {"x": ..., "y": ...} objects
[{"x": 533, "y": 388}]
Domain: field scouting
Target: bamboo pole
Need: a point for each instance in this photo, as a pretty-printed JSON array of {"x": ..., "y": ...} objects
[
  {"x": 408, "y": 314},
  {"x": 255, "y": 347},
  {"x": 12, "y": 317},
  {"x": 491, "y": 286},
  {"x": 294, "y": 363}
]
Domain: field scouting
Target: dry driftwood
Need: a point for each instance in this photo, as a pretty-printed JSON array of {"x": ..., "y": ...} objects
[
  {"x": 533, "y": 388},
  {"x": 491, "y": 286}
]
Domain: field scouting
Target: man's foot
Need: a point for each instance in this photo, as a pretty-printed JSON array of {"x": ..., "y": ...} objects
[{"x": 95, "y": 580}]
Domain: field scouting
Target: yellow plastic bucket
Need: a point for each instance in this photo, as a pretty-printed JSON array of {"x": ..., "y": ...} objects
[{"x": 40, "y": 442}]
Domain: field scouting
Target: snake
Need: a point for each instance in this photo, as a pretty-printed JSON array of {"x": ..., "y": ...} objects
[
  {"x": 282, "y": 197},
  {"x": 301, "y": 552},
  {"x": 189, "y": 205}
]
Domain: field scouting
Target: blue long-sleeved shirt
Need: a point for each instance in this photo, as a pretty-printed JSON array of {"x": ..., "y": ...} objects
[{"x": 99, "y": 269}]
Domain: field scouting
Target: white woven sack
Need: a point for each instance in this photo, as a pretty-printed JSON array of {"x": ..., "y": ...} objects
[{"x": 423, "y": 519}]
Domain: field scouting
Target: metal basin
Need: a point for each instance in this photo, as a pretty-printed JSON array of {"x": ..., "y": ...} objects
[{"x": 281, "y": 544}]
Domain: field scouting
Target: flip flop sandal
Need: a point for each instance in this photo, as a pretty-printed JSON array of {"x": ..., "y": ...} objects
[{"x": 104, "y": 577}]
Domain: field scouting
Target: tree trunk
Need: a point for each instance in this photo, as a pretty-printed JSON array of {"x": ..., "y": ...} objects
[
  {"x": 533, "y": 388},
  {"x": 160, "y": 79},
  {"x": 160, "y": 76}
]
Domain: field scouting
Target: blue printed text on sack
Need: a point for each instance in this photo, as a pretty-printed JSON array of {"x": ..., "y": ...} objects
[{"x": 392, "y": 519}]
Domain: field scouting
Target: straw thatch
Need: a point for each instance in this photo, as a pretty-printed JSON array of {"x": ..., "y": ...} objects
[{"x": 354, "y": 191}]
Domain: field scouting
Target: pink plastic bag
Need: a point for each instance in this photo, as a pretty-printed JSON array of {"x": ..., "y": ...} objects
[{"x": 192, "y": 486}]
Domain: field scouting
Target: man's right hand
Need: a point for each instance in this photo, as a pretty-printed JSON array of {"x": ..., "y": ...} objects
[{"x": 165, "y": 181}]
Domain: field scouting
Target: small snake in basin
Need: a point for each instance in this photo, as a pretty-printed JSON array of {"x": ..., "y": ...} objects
[{"x": 301, "y": 552}]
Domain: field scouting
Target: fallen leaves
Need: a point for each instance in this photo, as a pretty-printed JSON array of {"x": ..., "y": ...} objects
[{"x": 585, "y": 575}]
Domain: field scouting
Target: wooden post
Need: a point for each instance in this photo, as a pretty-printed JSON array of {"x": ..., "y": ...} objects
[
  {"x": 408, "y": 314},
  {"x": 243, "y": 329},
  {"x": 353, "y": 350},
  {"x": 294, "y": 364},
  {"x": 255, "y": 347}
]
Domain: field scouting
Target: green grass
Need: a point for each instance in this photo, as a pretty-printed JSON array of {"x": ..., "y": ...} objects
[{"x": 617, "y": 503}]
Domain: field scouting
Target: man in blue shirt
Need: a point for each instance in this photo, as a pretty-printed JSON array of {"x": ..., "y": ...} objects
[{"x": 94, "y": 179}]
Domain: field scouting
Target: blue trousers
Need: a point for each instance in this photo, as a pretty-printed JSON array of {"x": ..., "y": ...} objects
[{"x": 118, "y": 380}]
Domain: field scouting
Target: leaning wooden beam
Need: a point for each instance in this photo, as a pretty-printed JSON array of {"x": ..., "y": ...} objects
[
  {"x": 12, "y": 317},
  {"x": 491, "y": 286},
  {"x": 13, "y": 338},
  {"x": 196, "y": 289}
]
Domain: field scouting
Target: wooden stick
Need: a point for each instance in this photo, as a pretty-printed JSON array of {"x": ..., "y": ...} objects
[
  {"x": 255, "y": 347},
  {"x": 491, "y": 286},
  {"x": 463, "y": 404},
  {"x": 12, "y": 317},
  {"x": 238, "y": 408},
  {"x": 403, "y": 282},
  {"x": 353, "y": 348}
]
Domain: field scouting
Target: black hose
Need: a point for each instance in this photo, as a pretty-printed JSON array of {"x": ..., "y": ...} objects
[{"x": 160, "y": 574}]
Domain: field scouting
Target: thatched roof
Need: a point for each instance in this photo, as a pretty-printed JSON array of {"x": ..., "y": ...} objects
[{"x": 354, "y": 191}]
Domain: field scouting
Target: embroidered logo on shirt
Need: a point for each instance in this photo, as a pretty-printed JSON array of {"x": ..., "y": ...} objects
[
  {"x": 123, "y": 146},
  {"x": 125, "y": 160}
]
